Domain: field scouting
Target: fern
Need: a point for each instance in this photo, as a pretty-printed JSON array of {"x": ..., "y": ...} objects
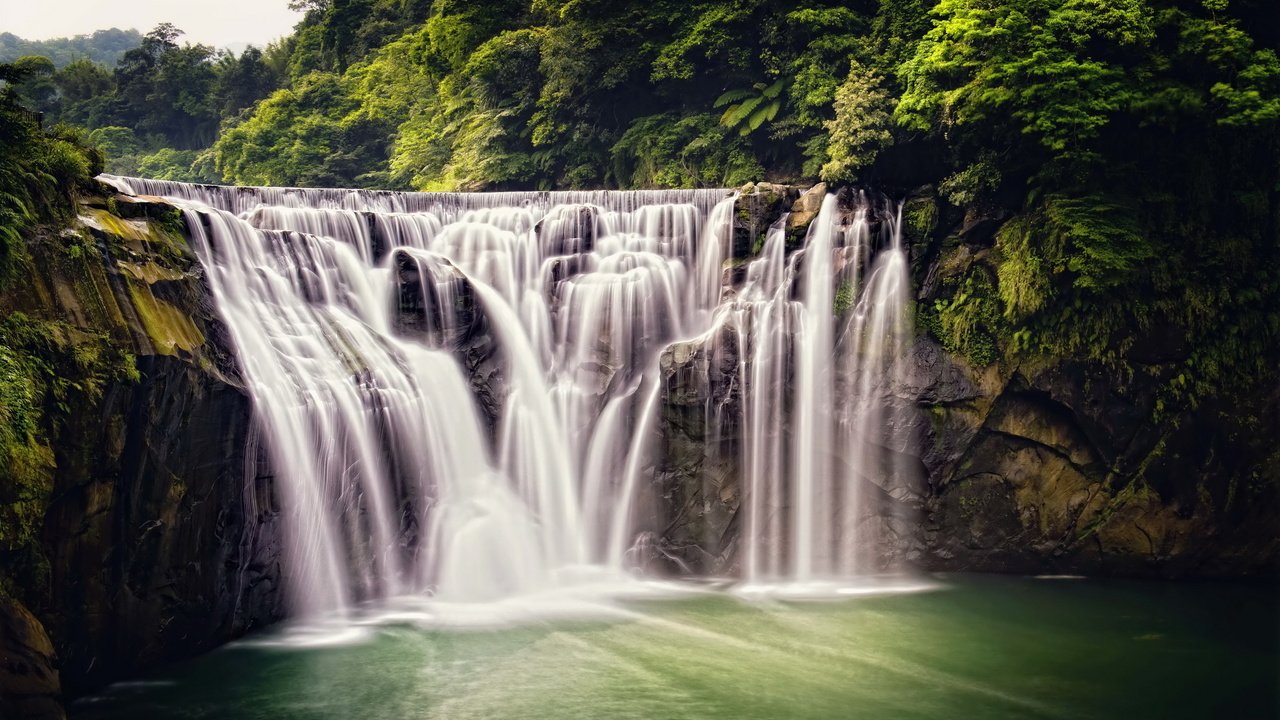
[
  {"x": 732, "y": 96},
  {"x": 750, "y": 109},
  {"x": 773, "y": 90}
]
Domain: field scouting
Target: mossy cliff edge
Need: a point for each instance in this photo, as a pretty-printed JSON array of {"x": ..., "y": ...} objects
[{"x": 127, "y": 534}]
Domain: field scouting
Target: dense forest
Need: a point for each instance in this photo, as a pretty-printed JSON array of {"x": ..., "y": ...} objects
[{"x": 104, "y": 47}]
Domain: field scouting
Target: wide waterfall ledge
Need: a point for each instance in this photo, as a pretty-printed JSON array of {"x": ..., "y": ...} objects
[{"x": 488, "y": 407}]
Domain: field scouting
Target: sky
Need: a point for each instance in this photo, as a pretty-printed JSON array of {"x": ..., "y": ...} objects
[{"x": 213, "y": 22}]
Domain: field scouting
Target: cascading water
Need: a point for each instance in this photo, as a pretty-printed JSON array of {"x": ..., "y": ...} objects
[
  {"x": 361, "y": 319},
  {"x": 817, "y": 372}
]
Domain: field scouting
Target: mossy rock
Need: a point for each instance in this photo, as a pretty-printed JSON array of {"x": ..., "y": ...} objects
[
  {"x": 920, "y": 218},
  {"x": 169, "y": 329}
]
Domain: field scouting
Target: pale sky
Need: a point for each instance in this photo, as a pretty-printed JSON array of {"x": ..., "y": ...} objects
[{"x": 212, "y": 22}]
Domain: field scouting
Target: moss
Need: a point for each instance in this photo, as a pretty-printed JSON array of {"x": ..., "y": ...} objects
[
  {"x": 169, "y": 329},
  {"x": 159, "y": 217},
  {"x": 148, "y": 272},
  {"x": 919, "y": 218},
  {"x": 844, "y": 298},
  {"x": 49, "y": 372},
  {"x": 969, "y": 323},
  {"x": 26, "y": 463},
  {"x": 130, "y": 230}
]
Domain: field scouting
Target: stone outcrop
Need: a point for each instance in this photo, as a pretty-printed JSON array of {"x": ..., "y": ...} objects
[
  {"x": 29, "y": 685},
  {"x": 697, "y": 475}
]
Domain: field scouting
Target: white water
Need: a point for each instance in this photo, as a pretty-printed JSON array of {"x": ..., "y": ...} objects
[
  {"x": 392, "y": 478},
  {"x": 817, "y": 371}
]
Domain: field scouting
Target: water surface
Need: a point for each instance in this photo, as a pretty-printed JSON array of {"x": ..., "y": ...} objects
[{"x": 974, "y": 647}]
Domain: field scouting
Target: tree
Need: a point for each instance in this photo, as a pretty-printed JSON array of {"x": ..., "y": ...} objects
[
  {"x": 40, "y": 172},
  {"x": 861, "y": 127},
  {"x": 749, "y": 109},
  {"x": 241, "y": 81},
  {"x": 36, "y": 87},
  {"x": 1055, "y": 73},
  {"x": 85, "y": 87}
]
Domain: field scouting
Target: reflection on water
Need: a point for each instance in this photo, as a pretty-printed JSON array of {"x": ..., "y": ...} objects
[{"x": 972, "y": 647}]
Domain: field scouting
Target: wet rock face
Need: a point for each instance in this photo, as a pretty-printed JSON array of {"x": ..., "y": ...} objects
[
  {"x": 434, "y": 301},
  {"x": 697, "y": 474},
  {"x": 436, "y": 304},
  {"x": 806, "y": 207},
  {"x": 1059, "y": 477},
  {"x": 1031, "y": 475},
  {"x": 759, "y": 206},
  {"x": 158, "y": 546},
  {"x": 160, "y": 531},
  {"x": 569, "y": 230}
]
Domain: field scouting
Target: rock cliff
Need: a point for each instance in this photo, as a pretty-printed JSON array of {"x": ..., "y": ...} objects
[{"x": 145, "y": 544}]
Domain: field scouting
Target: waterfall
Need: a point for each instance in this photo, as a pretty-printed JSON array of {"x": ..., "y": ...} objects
[{"x": 460, "y": 393}]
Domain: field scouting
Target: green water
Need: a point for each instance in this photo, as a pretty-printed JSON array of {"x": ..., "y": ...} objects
[{"x": 977, "y": 647}]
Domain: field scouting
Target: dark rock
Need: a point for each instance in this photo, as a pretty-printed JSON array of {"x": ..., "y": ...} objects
[
  {"x": 933, "y": 377},
  {"x": 1058, "y": 468},
  {"x": 981, "y": 230},
  {"x": 158, "y": 548},
  {"x": 759, "y": 207},
  {"x": 29, "y": 686},
  {"x": 569, "y": 230}
]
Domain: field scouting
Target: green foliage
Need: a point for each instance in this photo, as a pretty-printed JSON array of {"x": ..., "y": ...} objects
[
  {"x": 40, "y": 172},
  {"x": 1135, "y": 142},
  {"x": 693, "y": 151},
  {"x": 540, "y": 94},
  {"x": 456, "y": 29},
  {"x": 180, "y": 165},
  {"x": 919, "y": 218},
  {"x": 26, "y": 464},
  {"x": 711, "y": 35},
  {"x": 749, "y": 109},
  {"x": 310, "y": 134},
  {"x": 37, "y": 88},
  {"x": 84, "y": 93},
  {"x": 170, "y": 96},
  {"x": 976, "y": 182},
  {"x": 115, "y": 142},
  {"x": 969, "y": 322},
  {"x": 48, "y": 372},
  {"x": 844, "y": 299},
  {"x": 861, "y": 127},
  {"x": 471, "y": 137},
  {"x": 1053, "y": 71}
]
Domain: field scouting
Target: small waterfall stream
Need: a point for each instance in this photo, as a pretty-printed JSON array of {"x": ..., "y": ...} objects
[
  {"x": 821, "y": 334},
  {"x": 459, "y": 392}
]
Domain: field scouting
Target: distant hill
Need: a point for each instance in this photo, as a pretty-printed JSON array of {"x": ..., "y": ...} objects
[{"x": 103, "y": 46}]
